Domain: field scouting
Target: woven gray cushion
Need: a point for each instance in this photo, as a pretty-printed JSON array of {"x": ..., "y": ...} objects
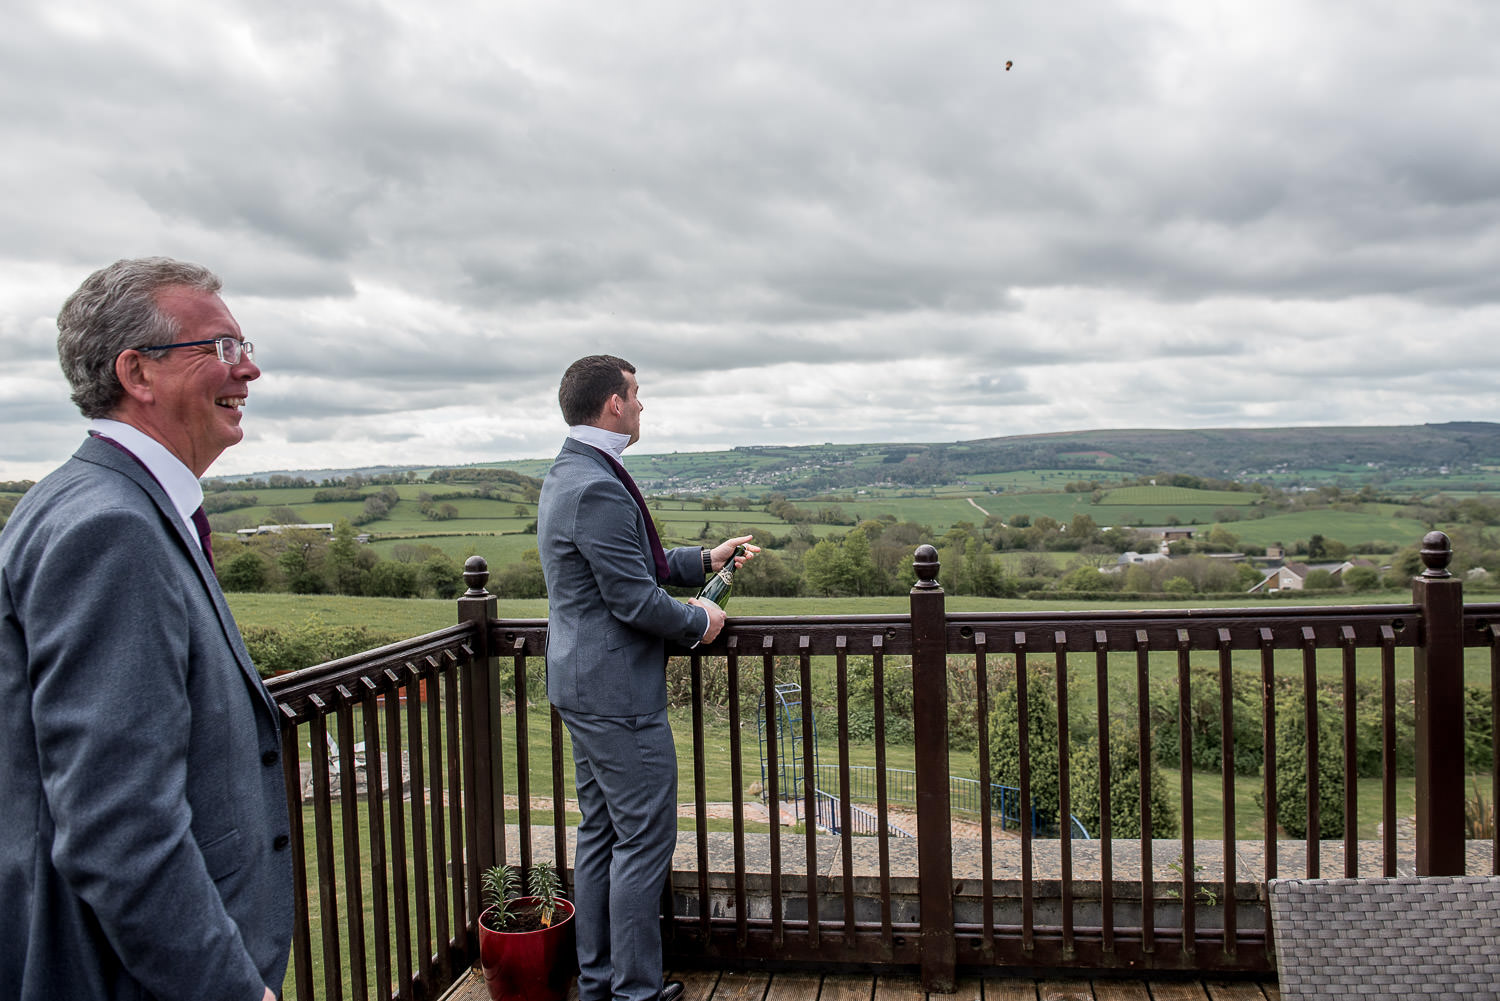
[{"x": 1433, "y": 936}]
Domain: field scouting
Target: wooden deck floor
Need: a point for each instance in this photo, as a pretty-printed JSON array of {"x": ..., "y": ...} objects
[{"x": 712, "y": 985}]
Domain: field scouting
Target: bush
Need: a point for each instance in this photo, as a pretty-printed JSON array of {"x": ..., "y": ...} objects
[
  {"x": 714, "y": 674},
  {"x": 275, "y": 649},
  {"x": 1124, "y": 788},
  {"x": 1205, "y": 727},
  {"x": 1479, "y": 728},
  {"x": 246, "y": 572},
  {"x": 898, "y": 700},
  {"x": 1291, "y": 766},
  {"x": 1042, "y": 740}
]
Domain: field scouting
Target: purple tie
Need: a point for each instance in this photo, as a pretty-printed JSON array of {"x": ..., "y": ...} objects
[
  {"x": 658, "y": 555},
  {"x": 205, "y": 539}
]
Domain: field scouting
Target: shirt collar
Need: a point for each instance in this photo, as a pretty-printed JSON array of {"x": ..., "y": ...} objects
[
  {"x": 612, "y": 442},
  {"x": 175, "y": 478}
]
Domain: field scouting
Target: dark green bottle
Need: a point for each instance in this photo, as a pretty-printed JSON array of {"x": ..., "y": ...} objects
[{"x": 717, "y": 588}]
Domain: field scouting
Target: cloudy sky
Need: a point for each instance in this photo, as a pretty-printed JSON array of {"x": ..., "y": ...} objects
[{"x": 804, "y": 221}]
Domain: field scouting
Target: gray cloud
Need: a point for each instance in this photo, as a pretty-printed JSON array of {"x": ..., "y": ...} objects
[{"x": 848, "y": 221}]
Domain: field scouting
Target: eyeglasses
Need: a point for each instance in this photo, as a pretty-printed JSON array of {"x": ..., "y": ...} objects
[{"x": 230, "y": 348}]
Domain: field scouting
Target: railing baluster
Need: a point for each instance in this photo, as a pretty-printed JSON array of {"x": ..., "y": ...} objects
[
  {"x": 882, "y": 803},
  {"x": 1106, "y": 822},
  {"x": 773, "y": 783},
  {"x": 328, "y": 908},
  {"x": 700, "y": 797},
  {"x": 1064, "y": 792},
  {"x": 1143, "y": 732},
  {"x": 523, "y": 754},
  {"x": 1388, "y": 748},
  {"x": 456, "y": 815},
  {"x": 432, "y": 696},
  {"x": 1268, "y": 742},
  {"x": 1310, "y": 743},
  {"x": 373, "y": 699},
  {"x": 396, "y": 784},
  {"x": 1023, "y": 740},
  {"x": 1351, "y": 756},
  {"x": 846, "y": 811},
  {"x": 1226, "y": 770},
  {"x": 349, "y": 813},
  {"x": 809, "y": 791},
  {"x": 1189, "y": 886},
  {"x": 418, "y": 861},
  {"x": 737, "y": 793},
  {"x": 291, "y": 773},
  {"x": 986, "y": 797}
]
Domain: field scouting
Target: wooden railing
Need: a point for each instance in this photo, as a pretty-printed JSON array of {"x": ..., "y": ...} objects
[{"x": 432, "y": 781}]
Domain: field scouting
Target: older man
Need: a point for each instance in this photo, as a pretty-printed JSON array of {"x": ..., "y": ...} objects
[
  {"x": 144, "y": 841},
  {"x": 609, "y": 621}
]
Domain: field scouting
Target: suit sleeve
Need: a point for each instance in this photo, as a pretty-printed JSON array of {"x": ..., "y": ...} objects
[
  {"x": 685, "y": 566},
  {"x": 631, "y": 594},
  {"x": 111, "y": 707}
]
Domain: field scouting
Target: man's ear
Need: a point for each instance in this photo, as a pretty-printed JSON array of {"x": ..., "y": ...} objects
[{"x": 135, "y": 376}]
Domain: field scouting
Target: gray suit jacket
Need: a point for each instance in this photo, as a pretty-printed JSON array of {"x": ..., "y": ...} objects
[
  {"x": 144, "y": 833},
  {"x": 608, "y": 617}
]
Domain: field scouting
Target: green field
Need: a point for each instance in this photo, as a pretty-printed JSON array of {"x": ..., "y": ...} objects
[
  {"x": 1379, "y": 524},
  {"x": 1153, "y": 496}
]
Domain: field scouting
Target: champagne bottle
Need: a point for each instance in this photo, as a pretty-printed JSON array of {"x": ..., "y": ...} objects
[{"x": 717, "y": 588}]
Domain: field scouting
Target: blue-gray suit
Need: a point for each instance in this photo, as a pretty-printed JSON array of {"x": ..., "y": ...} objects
[
  {"x": 144, "y": 835},
  {"x": 608, "y": 620}
]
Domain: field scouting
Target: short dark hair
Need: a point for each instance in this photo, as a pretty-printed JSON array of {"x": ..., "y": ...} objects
[
  {"x": 588, "y": 384},
  {"x": 114, "y": 310}
]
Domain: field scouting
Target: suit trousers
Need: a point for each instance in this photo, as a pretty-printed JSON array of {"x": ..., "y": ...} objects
[{"x": 627, "y": 796}]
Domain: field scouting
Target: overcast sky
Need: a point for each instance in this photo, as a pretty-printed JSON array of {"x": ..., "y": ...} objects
[{"x": 803, "y": 221}]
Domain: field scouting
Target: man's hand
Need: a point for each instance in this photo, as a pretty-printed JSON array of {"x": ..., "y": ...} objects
[
  {"x": 715, "y": 617},
  {"x": 269, "y": 995},
  {"x": 720, "y": 553}
]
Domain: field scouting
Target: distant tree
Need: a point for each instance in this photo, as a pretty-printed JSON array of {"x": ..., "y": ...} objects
[
  {"x": 827, "y": 570},
  {"x": 521, "y": 579},
  {"x": 442, "y": 577},
  {"x": 1086, "y": 578},
  {"x": 245, "y": 572},
  {"x": 1320, "y": 580},
  {"x": 389, "y": 579},
  {"x": 768, "y": 575},
  {"x": 1361, "y": 578}
]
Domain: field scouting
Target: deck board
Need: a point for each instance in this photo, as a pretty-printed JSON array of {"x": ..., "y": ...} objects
[
  {"x": 697, "y": 985},
  {"x": 1236, "y": 991},
  {"x": 1009, "y": 989},
  {"x": 736, "y": 986},
  {"x": 732, "y": 985},
  {"x": 847, "y": 987},
  {"x": 794, "y": 987}
]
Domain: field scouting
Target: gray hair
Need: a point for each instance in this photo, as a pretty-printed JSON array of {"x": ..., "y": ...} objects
[{"x": 115, "y": 310}]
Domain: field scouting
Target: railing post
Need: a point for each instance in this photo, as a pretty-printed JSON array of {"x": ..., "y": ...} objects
[
  {"x": 1439, "y": 669},
  {"x": 929, "y": 667},
  {"x": 482, "y": 817}
]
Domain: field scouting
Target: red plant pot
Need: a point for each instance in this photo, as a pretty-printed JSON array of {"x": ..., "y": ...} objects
[{"x": 530, "y": 965}]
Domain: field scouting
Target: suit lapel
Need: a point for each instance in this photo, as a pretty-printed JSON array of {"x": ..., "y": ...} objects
[
  {"x": 604, "y": 469},
  {"x": 103, "y": 454}
]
